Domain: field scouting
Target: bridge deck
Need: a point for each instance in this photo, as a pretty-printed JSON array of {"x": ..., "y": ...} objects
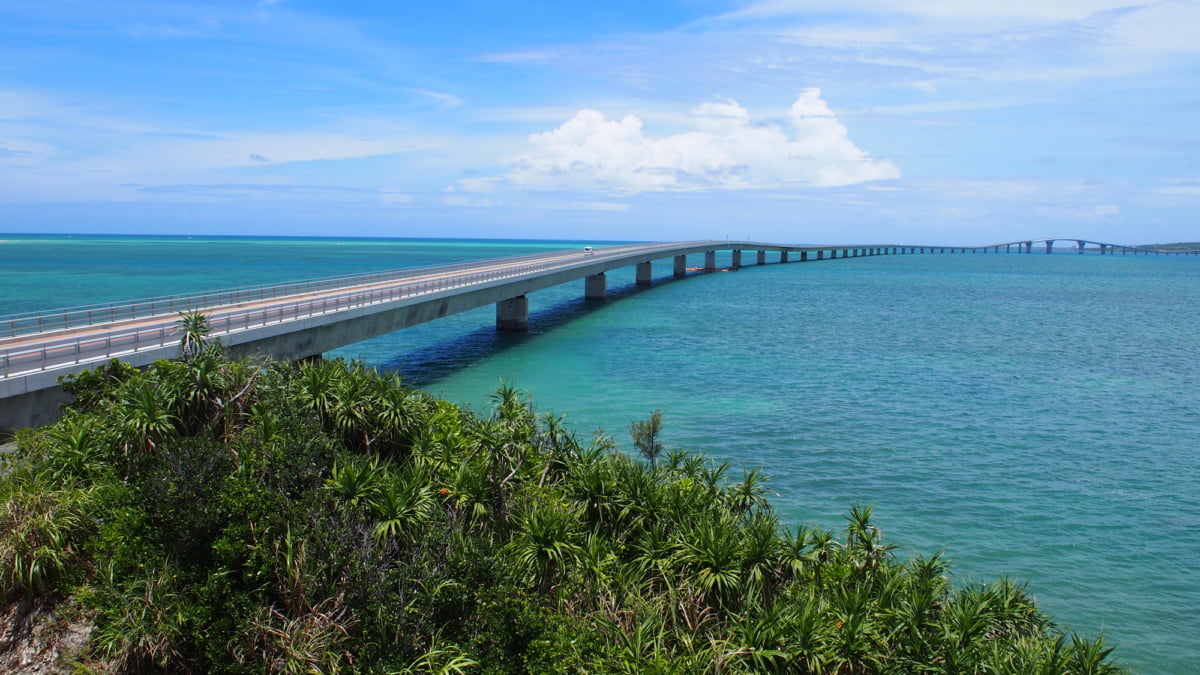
[{"x": 308, "y": 318}]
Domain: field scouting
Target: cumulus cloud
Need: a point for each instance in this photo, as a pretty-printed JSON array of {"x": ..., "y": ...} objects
[{"x": 727, "y": 149}]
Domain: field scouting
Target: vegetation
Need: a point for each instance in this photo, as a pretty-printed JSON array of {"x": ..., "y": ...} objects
[
  {"x": 226, "y": 516},
  {"x": 1179, "y": 246}
]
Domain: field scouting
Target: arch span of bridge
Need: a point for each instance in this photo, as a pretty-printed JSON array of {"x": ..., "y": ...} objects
[{"x": 305, "y": 319}]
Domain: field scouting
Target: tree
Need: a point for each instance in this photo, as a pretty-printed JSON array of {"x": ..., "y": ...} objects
[
  {"x": 645, "y": 437},
  {"x": 195, "y": 329}
]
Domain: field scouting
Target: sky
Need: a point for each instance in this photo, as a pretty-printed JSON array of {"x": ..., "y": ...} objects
[{"x": 790, "y": 121}]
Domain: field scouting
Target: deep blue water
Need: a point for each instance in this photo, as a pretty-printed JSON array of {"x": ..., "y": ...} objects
[{"x": 1029, "y": 415}]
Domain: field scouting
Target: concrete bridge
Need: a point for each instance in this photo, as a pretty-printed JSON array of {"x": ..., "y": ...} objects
[{"x": 305, "y": 319}]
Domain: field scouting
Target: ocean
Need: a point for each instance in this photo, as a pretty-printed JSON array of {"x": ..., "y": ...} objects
[{"x": 1027, "y": 415}]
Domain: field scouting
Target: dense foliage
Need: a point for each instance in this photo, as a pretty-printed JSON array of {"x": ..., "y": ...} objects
[{"x": 228, "y": 516}]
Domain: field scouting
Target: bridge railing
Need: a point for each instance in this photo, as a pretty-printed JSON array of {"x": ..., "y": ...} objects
[
  {"x": 52, "y": 353},
  {"x": 161, "y": 326},
  {"x": 49, "y": 321}
]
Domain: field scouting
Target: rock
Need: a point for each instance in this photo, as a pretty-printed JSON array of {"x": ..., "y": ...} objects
[{"x": 35, "y": 637}]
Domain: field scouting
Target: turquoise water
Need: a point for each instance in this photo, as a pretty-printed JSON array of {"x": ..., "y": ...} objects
[{"x": 1026, "y": 414}]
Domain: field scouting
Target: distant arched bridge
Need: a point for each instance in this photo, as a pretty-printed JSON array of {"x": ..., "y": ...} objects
[{"x": 305, "y": 319}]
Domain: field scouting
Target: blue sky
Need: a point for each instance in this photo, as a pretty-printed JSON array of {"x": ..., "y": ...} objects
[{"x": 804, "y": 121}]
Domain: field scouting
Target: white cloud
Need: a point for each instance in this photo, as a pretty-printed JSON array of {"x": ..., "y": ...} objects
[
  {"x": 394, "y": 197},
  {"x": 618, "y": 207},
  {"x": 726, "y": 150},
  {"x": 1104, "y": 210},
  {"x": 478, "y": 184},
  {"x": 1186, "y": 189},
  {"x": 979, "y": 15},
  {"x": 1162, "y": 26}
]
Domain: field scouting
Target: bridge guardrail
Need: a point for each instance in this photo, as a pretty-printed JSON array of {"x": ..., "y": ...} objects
[
  {"x": 16, "y": 361},
  {"x": 49, "y": 321}
]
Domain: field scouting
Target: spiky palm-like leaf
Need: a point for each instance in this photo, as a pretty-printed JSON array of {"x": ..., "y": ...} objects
[{"x": 402, "y": 506}]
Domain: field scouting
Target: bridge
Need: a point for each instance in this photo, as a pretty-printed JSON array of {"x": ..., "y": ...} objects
[{"x": 305, "y": 319}]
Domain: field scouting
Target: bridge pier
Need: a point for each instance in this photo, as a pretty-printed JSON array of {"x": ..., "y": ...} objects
[
  {"x": 1082, "y": 245},
  {"x": 594, "y": 287},
  {"x": 762, "y": 257},
  {"x": 710, "y": 260},
  {"x": 680, "y": 266},
  {"x": 737, "y": 259},
  {"x": 820, "y": 255},
  {"x": 1049, "y": 246},
  {"x": 512, "y": 315},
  {"x": 803, "y": 256},
  {"x": 783, "y": 256},
  {"x": 645, "y": 273},
  {"x": 1103, "y": 249}
]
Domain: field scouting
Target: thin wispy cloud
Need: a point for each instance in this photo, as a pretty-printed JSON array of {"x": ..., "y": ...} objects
[{"x": 918, "y": 116}]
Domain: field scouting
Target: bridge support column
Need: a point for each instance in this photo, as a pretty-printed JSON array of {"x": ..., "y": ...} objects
[
  {"x": 644, "y": 274},
  {"x": 1049, "y": 246},
  {"x": 737, "y": 259},
  {"x": 1082, "y": 245},
  {"x": 820, "y": 255},
  {"x": 710, "y": 260},
  {"x": 512, "y": 315},
  {"x": 594, "y": 287},
  {"x": 1029, "y": 247},
  {"x": 762, "y": 257},
  {"x": 783, "y": 256},
  {"x": 680, "y": 266},
  {"x": 1103, "y": 249},
  {"x": 803, "y": 256}
]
